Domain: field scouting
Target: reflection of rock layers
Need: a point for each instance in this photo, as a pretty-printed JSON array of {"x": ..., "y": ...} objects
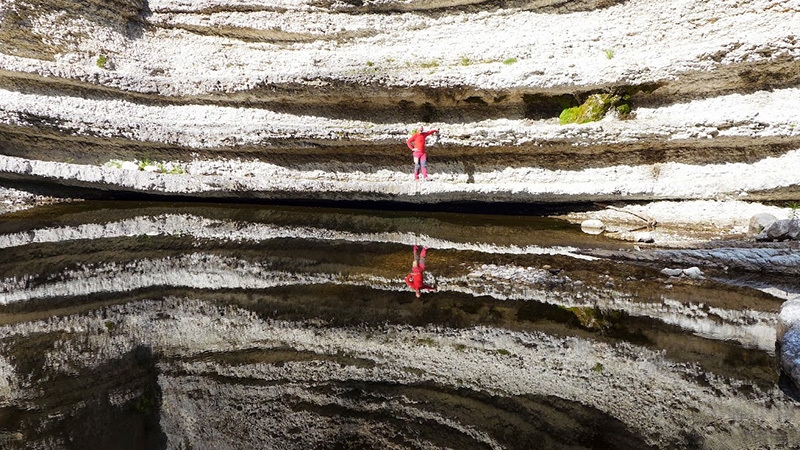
[
  {"x": 755, "y": 329},
  {"x": 259, "y": 272},
  {"x": 202, "y": 228},
  {"x": 209, "y": 272},
  {"x": 199, "y": 271},
  {"x": 296, "y": 324},
  {"x": 229, "y": 378}
]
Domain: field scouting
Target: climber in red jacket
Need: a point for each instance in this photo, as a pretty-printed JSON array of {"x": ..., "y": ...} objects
[
  {"x": 417, "y": 145},
  {"x": 414, "y": 280}
]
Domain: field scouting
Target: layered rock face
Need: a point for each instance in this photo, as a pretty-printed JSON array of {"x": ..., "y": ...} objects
[
  {"x": 301, "y": 99},
  {"x": 313, "y": 100}
]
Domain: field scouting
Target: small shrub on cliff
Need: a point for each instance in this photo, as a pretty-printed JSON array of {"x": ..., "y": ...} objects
[
  {"x": 102, "y": 60},
  {"x": 171, "y": 169},
  {"x": 145, "y": 163},
  {"x": 509, "y": 61},
  {"x": 794, "y": 207}
]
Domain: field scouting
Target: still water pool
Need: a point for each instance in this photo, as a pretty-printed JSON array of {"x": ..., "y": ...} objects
[{"x": 168, "y": 325}]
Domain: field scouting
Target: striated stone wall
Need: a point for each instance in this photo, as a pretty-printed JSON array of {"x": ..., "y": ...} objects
[
  {"x": 323, "y": 96},
  {"x": 313, "y": 100}
]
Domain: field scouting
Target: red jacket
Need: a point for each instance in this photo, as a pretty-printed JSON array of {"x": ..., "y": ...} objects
[
  {"x": 414, "y": 281},
  {"x": 417, "y": 140}
]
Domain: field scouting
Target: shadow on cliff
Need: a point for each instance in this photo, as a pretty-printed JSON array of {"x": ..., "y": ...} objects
[{"x": 115, "y": 405}]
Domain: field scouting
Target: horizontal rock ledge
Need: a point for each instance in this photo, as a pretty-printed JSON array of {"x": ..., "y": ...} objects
[
  {"x": 255, "y": 180},
  {"x": 412, "y": 193}
]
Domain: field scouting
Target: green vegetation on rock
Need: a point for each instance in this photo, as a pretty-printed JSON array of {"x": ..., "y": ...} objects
[
  {"x": 794, "y": 207},
  {"x": 593, "y": 109}
]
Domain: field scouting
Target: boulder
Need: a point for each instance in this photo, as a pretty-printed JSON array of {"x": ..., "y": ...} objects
[
  {"x": 794, "y": 229},
  {"x": 760, "y": 222},
  {"x": 779, "y": 230},
  {"x": 592, "y": 226},
  {"x": 789, "y": 316},
  {"x": 790, "y": 354},
  {"x": 694, "y": 273}
]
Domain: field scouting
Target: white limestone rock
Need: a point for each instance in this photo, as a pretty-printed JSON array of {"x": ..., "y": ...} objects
[
  {"x": 592, "y": 226},
  {"x": 760, "y": 222}
]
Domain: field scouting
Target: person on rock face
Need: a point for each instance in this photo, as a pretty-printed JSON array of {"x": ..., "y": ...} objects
[
  {"x": 414, "y": 280},
  {"x": 417, "y": 145}
]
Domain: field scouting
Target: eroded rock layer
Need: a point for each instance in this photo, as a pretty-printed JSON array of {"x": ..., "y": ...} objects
[{"x": 328, "y": 92}]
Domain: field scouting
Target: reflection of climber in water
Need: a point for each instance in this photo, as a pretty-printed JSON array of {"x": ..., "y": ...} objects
[{"x": 415, "y": 279}]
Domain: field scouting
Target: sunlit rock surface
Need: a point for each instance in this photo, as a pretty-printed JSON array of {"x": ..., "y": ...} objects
[{"x": 310, "y": 100}]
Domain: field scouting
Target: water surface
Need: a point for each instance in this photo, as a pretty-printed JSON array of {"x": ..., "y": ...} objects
[{"x": 169, "y": 325}]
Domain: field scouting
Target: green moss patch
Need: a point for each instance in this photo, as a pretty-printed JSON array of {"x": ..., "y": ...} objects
[{"x": 593, "y": 109}]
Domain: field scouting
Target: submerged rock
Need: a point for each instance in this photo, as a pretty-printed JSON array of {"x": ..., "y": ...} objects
[
  {"x": 692, "y": 272},
  {"x": 788, "y": 338},
  {"x": 672, "y": 272}
]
